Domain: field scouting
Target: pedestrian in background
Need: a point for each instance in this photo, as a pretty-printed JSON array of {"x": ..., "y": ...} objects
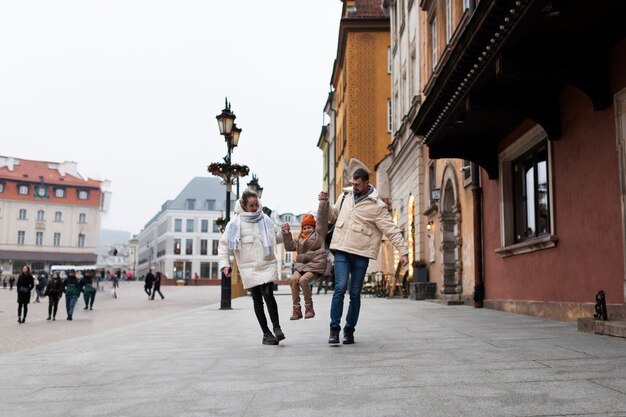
[
  {"x": 310, "y": 260},
  {"x": 11, "y": 283},
  {"x": 148, "y": 283},
  {"x": 72, "y": 289},
  {"x": 37, "y": 287},
  {"x": 54, "y": 291},
  {"x": 251, "y": 237},
  {"x": 4, "y": 283},
  {"x": 90, "y": 287},
  {"x": 157, "y": 286},
  {"x": 25, "y": 284},
  {"x": 41, "y": 287},
  {"x": 361, "y": 219}
]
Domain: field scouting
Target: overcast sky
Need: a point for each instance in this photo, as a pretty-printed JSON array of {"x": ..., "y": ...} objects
[{"x": 130, "y": 89}]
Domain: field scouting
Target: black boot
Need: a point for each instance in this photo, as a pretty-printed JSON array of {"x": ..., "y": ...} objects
[
  {"x": 269, "y": 339},
  {"x": 279, "y": 333},
  {"x": 334, "y": 335},
  {"x": 348, "y": 336}
]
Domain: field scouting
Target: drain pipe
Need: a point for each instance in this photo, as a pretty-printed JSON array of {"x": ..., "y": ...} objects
[{"x": 479, "y": 283}]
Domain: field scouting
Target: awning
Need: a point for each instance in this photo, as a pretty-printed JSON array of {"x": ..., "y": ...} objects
[{"x": 57, "y": 257}]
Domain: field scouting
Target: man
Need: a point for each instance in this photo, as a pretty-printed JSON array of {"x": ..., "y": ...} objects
[
  {"x": 72, "y": 290},
  {"x": 361, "y": 218},
  {"x": 147, "y": 287},
  {"x": 90, "y": 287}
]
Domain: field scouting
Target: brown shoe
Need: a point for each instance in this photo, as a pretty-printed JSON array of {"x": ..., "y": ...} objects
[
  {"x": 309, "y": 313},
  {"x": 297, "y": 313}
]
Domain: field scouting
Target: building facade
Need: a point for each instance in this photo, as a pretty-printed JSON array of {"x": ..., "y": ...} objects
[
  {"x": 182, "y": 239},
  {"x": 361, "y": 85},
  {"x": 49, "y": 214},
  {"x": 524, "y": 93},
  {"x": 400, "y": 175},
  {"x": 326, "y": 143}
]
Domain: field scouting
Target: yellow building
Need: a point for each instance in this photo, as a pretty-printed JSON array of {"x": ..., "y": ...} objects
[{"x": 362, "y": 84}]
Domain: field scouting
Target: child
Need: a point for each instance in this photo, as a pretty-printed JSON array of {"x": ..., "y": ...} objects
[{"x": 311, "y": 259}]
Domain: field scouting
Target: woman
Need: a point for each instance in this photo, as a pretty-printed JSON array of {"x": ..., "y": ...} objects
[
  {"x": 25, "y": 284},
  {"x": 252, "y": 236},
  {"x": 54, "y": 291}
]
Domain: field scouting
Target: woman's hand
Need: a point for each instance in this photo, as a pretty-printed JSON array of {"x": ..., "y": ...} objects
[
  {"x": 323, "y": 196},
  {"x": 285, "y": 228},
  {"x": 227, "y": 271}
]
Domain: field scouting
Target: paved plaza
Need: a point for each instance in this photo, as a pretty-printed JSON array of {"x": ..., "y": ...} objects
[{"x": 185, "y": 357}]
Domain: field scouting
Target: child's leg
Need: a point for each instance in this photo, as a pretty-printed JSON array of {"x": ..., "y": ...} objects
[
  {"x": 306, "y": 288},
  {"x": 294, "y": 283}
]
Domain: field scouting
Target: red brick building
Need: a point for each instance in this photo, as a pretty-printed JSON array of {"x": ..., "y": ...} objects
[{"x": 534, "y": 93}]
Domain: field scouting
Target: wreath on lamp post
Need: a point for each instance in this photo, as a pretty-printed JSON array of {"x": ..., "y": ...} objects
[{"x": 227, "y": 170}]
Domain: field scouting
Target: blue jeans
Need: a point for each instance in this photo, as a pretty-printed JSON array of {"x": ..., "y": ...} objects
[
  {"x": 70, "y": 302},
  {"x": 354, "y": 267}
]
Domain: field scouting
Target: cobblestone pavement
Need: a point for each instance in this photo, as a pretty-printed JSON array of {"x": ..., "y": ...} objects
[
  {"x": 131, "y": 306},
  {"x": 411, "y": 358}
]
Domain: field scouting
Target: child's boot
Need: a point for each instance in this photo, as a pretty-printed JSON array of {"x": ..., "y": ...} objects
[
  {"x": 297, "y": 313},
  {"x": 309, "y": 313}
]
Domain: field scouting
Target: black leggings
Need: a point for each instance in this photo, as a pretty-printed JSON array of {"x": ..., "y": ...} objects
[
  {"x": 19, "y": 309},
  {"x": 260, "y": 292},
  {"x": 53, "y": 304}
]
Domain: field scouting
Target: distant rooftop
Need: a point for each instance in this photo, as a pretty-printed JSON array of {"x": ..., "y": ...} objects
[{"x": 27, "y": 170}]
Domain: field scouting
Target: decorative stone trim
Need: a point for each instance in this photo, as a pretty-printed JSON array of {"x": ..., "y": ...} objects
[{"x": 532, "y": 245}]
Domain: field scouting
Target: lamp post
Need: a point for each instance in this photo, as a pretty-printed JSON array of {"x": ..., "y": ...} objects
[
  {"x": 254, "y": 185},
  {"x": 228, "y": 172}
]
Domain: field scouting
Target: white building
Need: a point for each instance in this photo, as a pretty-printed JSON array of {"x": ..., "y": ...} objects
[
  {"x": 182, "y": 239},
  {"x": 49, "y": 214}
]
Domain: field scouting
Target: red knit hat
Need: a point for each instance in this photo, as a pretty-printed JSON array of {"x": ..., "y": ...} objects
[{"x": 308, "y": 220}]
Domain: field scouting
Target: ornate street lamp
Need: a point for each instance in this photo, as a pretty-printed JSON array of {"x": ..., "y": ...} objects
[
  {"x": 229, "y": 172},
  {"x": 254, "y": 185}
]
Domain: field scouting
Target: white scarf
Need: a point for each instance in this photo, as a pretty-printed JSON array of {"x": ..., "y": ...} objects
[{"x": 266, "y": 226}]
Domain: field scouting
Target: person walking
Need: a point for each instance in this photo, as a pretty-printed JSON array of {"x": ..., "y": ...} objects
[
  {"x": 38, "y": 288},
  {"x": 251, "y": 237},
  {"x": 43, "y": 282},
  {"x": 72, "y": 289},
  {"x": 54, "y": 291},
  {"x": 361, "y": 219},
  {"x": 89, "y": 285},
  {"x": 116, "y": 285},
  {"x": 11, "y": 283},
  {"x": 25, "y": 284},
  {"x": 148, "y": 283},
  {"x": 310, "y": 260},
  {"x": 157, "y": 286},
  {"x": 4, "y": 283}
]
